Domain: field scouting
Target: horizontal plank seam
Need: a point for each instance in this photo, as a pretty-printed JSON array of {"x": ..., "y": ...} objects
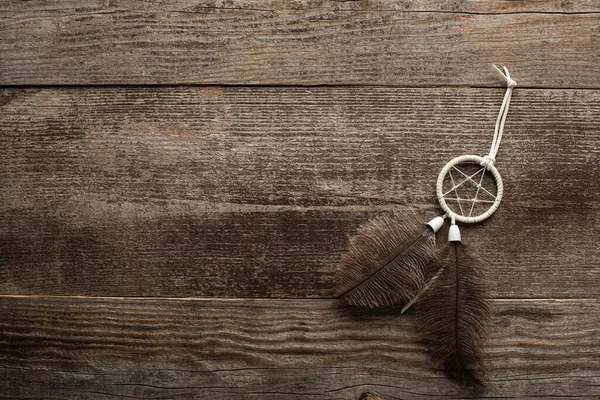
[
  {"x": 285, "y": 368},
  {"x": 279, "y": 85},
  {"x": 389, "y": 205},
  {"x": 208, "y": 298},
  {"x": 533, "y": 12},
  {"x": 199, "y": 11}
]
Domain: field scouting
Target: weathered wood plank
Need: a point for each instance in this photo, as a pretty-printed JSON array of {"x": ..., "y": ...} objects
[
  {"x": 546, "y": 44},
  {"x": 481, "y": 6},
  {"x": 246, "y": 348},
  {"x": 254, "y": 191}
]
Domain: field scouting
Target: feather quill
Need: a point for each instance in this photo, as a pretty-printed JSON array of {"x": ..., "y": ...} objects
[
  {"x": 453, "y": 313},
  {"x": 387, "y": 262}
]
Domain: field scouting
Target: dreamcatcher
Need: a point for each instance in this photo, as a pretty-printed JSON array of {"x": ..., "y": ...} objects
[{"x": 393, "y": 261}]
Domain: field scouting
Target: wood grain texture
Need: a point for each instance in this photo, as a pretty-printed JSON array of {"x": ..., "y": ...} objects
[
  {"x": 281, "y": 42},
  {"x": 254, "y": 191},
  {"x": 480, "y": 6},
  {"x": 86, "y": 348}
]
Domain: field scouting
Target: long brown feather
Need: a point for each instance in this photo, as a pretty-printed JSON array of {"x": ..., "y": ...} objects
[
  {"x": 387, "y": 261},
  {"x": 453, "y": 313}
]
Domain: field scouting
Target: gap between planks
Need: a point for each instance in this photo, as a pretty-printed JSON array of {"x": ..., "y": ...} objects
[
  {"x": 240, "y": 298},
  {"x": 292, "y": 85}
]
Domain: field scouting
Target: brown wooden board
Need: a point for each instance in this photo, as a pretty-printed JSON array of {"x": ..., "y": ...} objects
[
  {"x": 481, "y": 6},
  {"x": 551, "y": 44},
  {"x": 254, "y": 191},
  {"x": 65, "y": 348},
  {"x": 115, "y": 182}
]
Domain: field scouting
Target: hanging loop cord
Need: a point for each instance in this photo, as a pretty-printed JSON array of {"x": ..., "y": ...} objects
[{"x": 510, "y": 85}]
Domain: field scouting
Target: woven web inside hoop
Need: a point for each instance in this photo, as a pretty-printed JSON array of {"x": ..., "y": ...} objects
[{"x": 469, "y": 191}]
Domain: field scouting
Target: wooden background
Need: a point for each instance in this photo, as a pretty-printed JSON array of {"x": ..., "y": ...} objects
[{"x": 179, "y": 178}]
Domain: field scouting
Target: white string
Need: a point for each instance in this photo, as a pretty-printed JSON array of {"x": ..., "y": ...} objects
[
  {"x": 467, "y": 179},
  {"x": 510, "y": 85},
  {"x": 477, "y": 193},
  {"x": 455, "y": 192},
  {"x": 470, "y": 179},
  {"x": 470, "y": 200}
]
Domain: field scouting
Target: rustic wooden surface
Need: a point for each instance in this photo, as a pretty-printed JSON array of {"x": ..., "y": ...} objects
[
  {"x": 547, "y": 44},
  {"x": 254, "y": 191},
  {"x": 174, "y": 153},
  {"x": 274, "y": 349}
]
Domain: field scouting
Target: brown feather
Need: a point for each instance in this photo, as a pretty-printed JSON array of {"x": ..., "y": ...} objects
[
  {"x": 387, "y": 261},
  {"x": 453, "y": 313}
]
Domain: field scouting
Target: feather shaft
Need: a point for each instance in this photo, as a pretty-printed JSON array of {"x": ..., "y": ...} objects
[
  {"x": 387, "y": 261},
  {"x": 387, "y": 264},
  {"x": 453, "y": 313},
  {"x": 427, "y": 285}
]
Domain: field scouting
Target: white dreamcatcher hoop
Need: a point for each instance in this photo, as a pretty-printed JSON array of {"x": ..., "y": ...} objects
[
  {"x": 466, "y": 216},
  {"x": 486, "y": 163}
]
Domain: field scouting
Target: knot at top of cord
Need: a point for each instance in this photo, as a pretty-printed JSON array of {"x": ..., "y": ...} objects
[
  {"x": 510, "y": 83},
  {"x": 487, "y": 162}
]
